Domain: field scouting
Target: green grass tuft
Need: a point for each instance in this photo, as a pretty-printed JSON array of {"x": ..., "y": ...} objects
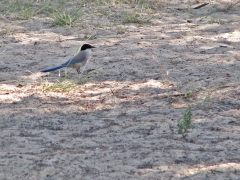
[
  {"x": 60, "y": 86},
  {"x": 185, "y": 123},
  {"x": 132, "y": 17},
  {"x": 27, "y": 12},
  {"x": 65, "y": 18}
]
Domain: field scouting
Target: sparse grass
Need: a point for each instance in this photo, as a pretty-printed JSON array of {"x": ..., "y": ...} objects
[
  {"x": 64, "y": 14},
  {"x": 27, "y": 12},
  {"x": 213, "y": 20},
  {"x": 153, "y": 4},
  {"x": 17, "y": 9},
  {"x": 65, "y": 18},
  {"x": 132, "y": 17},
  {"x": 186, "y": 122},
  {"x": 21, "y": 9},
  {"x": 190, "y": 95},
  {"x": 6, "y": 31},
  {"x": 115, "y": 2},
  {"x": 65, "y": 85},
  {"x": 102, "y": 12},
  {"x": 122, "y": 30},
  {"x": 232, "y": 5},
  {"x": 86, "y": 77},
  {"x": 60, "y": 86},
  {"x": 46, "y": 8},
  {"x": 208, "y": 97}
]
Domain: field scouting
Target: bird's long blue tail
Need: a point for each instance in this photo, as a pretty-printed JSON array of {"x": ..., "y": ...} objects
[{"x": 53, "y": 69}]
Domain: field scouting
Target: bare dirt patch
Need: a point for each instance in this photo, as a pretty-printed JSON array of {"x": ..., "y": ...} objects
[{"x": 120, "y": 122}]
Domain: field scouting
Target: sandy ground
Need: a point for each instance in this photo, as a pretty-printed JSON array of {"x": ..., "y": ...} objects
[{"x": 121, "y": 122}]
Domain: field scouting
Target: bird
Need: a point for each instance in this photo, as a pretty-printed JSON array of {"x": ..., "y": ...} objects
[{"x": 78, "y": 61}]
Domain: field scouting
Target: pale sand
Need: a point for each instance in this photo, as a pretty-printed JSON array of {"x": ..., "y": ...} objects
[{"x": 122, "y": 122}]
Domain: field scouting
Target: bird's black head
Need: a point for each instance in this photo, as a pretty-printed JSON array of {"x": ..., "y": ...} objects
[{"x": 86, "y": 46}]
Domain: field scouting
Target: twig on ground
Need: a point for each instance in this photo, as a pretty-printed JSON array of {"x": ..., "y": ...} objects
[{"x": 200, "y": 6}]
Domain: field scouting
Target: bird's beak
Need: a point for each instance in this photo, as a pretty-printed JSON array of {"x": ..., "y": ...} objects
[{"x": 93, "y": 47}]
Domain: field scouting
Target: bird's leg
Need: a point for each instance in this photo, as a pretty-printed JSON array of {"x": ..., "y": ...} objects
[
  {"x": 81, "y": 72},
  {"x": 65, "y": 71}
]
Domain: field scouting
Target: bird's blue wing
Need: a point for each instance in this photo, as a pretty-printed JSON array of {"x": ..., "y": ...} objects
[{"x": 73, "y": 61}]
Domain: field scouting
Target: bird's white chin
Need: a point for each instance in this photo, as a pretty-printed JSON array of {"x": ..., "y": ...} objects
[{"x": 88, "y": 50}]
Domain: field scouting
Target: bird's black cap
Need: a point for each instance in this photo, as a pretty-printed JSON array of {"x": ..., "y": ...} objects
[{"x": 86, "y": 46}]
